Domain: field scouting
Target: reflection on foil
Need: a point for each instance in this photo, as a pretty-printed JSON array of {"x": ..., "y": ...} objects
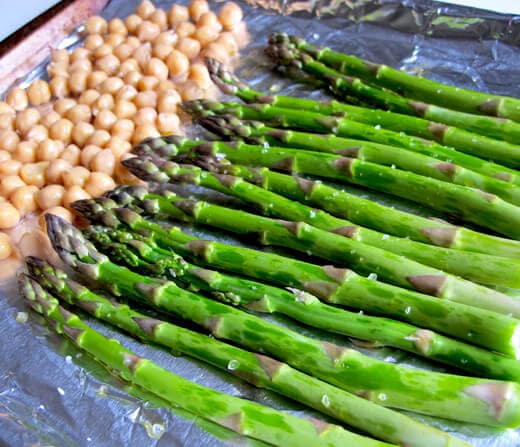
[{"x": 470, "y": 48}]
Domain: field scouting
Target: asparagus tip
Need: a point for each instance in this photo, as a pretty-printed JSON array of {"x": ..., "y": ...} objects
[{"x": 222, "y": 76}]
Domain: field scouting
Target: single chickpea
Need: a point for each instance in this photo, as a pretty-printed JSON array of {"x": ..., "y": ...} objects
[
  {"x": 190, "y": 47},
  {"x": 25, "y": 152},
  {"x": 178, "y": 14},
  {"x": 163, "y": 86},
  {"x": 124, "y": 129},
  {"x": 39, "y": 92},
  {"x": 132, "y": 78},
  {"x": 145, "y": 9},
  {"x": 142, "y": 54},
  {"x": 17, "y": 98},
  {"x": 144, "y": 131},
  {"x": 37, "y": 133},
  {"x": 122, "y": 174},
  {"x": 49, "y": 150},
  {"x": 118, "y": 146},
  {"x": 4, "y": 155},
  {"x": 26, "y": 119},
  {"x": 62, "y": 105},
  {"x": 105, "y": 119},
  {"x": 50, "y": 196},
  {"x": 98, "y": 183},
  {"x": 78, "y": 82},
  {"x": 81, "y": 132},
  {"x": 61, "y": 130},
  {"x": 168, "y": 37},
  {"x": 132, "y": 22},
  {"x": 5, "y": 246},
  {"x": 161, "y": 50},
  {"x": 95, "y": 78},
  {"x": 71, "y": 154},
  {"x": 103, "y": 50},
  {"x": 59, "y": 211},
  {"x": 146, "y": 115},
  {"x": 9, "y": 139},
  {"x": 126, "y": 93},
  {"x": 92, "y": 41},
  {"x": 148, "y": 98},
  {"x": 168, "y": 123},
  {"x": 199, "y": 73},
  {"x": 79, "y": 53},
  {"x": 9, "y": 217},
  {"x": 79, "y": 113},
  {"x": 230, "y": 15},
  {"x": 95, "y": 25},
  {"x": 177, "y": 63},
  {"x": 7, "y": 121},
  {"x": 124, "y": 109},
  {"x": 147, "y": 83},
  {"x": 59, "y": 55},
  {"x": 104, "y": 161},
  {"x": 75, "y": 176},
  {"x": 160, "y": 18},
  {"x": 99, "y": 138},
  {"x": 228, "y": 41},
  {"x": 49, "y": 117},
  {"x": 34, "y": 173},
  {"x": 167, "y": 101},
  {"x": 117, "y": 26},
  {"x": 73, "y": 194},
  {"x": 128, "y": 66},
  {"x": 111, "y": 85},
  {"x": 109, "y": 64},
  {"x": 185, "y": 29},
  {"x": 114, "y": 39},
  {"x": 156, "y": 67},
  {"x": 59, "y": 86},
  {"x": 9, "y": 183},
  {"x": 58, "y": 69},
  {"x": 80, "y": 65},
  {"x": 147, "y": 31},
  {"x": 197, "y": 8},
  {"x": 104, "y": 102},
  {"x": 88, "y": 97},
  {"x": 6, "y": 108},
  {"x": 209, "y": 19},
  {"x": 123, "y": 51},
  {"x": 133, "y": 41},
  {"x": 24, "y": 198},
  {"x": 190, "y": 90},
  {"x": 56, "y": 169},
  {"x": 205, "y": 35},
  {"x": 88, "y": 153}
]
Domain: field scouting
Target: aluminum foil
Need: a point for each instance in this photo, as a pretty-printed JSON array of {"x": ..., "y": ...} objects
[{"x": 51, "y": 395}]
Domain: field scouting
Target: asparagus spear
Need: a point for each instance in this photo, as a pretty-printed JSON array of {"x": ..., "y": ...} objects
[
  {"x": 408, "y": 85},
  {"x": 257, "y": 369},
  {"x": 350, "y": 206},
  {"x": 371, "y": 152},
  {"x": 483, "y": 269},
  {"x": 137, "y": 251},
  {"x": 242, "y": 416},
  {"x": 332, "y": 285},
  {"x": 343, "y": 127},
  {"x": 463, "y": 202}
]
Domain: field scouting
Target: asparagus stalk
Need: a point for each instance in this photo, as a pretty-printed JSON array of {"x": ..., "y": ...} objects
[
  {"x": 371, "y": 152},
  {"x": 242, "y": 416},
  {"x": 257, "y": 369},
  {"x": 463, "y": 202},
  {"x": 408, "y": 85},
  {"x": 332, "y": 285},
  {"x": 344, "y": 127},
  {"x": 138, "y": 252},
  {"x": 345, "y": 205},
  {"x": 481, "y": 268}
]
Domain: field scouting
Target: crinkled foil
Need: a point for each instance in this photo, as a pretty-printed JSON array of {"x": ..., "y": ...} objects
[{"x": 51, "y": 395}]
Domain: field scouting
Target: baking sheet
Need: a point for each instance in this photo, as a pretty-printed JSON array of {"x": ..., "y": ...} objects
[{"x": 50, "y": 395}]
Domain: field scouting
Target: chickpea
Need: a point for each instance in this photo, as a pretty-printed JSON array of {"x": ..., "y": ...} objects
[
  {"x": 5, "y": 246},
  {"x": 209, "y": 19},
  {"x": 73, "y": 194},
  {"x": 123, "y": 175},
  {"x": 88, "y": 97},
  {"x": 160, "y": 18},
  {"x": 49, "y": 117},
  {"x": 109, "y": 64},
  {"x": 58, "y": 69},
  {"x": 4, "y": 155},
  {"x": 146, "y": 115},
  {"x": 197, "y": 8},
  {"x": 63, "y": 104},
  {"x": 59, "y": 211},
  {"x": 144, "y": 131},
  {"x": 26, "y": 119},
  {"x": 230, "y": 15},
  {"x": 79, "y": 113},
  {"x": 167, "y": 101},
  {"x": 104, "y": 102},
  {"x": 104, "y": 161},
  {"x": 56, "y": 169},
  {"x": 185, "y": 29},
  {"x": 190, "y": 90},
  {"x": 9, "y": 217},
  {"x": 95, "y": 78},
  {"x": 81, "y": 65},
  {"x": 228, "y": 41},
  {"x": 111, "y": 85},
  {"x": 59, "y": 55},
  {"x": 96, "y": 25},
  {"x": 124, "y": 129},
  {"x": 7, "y": 121},
  {"x": 49, "y": 150},
  {"x": 6, "y": 108},
  {"x": 161, "y": 51},
  {"x": 163, "y": 86},
  {"x": 168, "y": 123},
  {"x": 92, "y": 41},
  {"x": 117, "y": 26},
  {"x": 123, "y": 51},
  {"x": 133, "y": 41},
  {"x": 105, "y": 119},
  {"x": 25, "y": 152},
  {"x": 9, "y": 139},
  {"x": 59, "y": 86},
  {"x": 79, "y": 53},
  {"x": 34, "y": 173},
  {"x": 24, "y": 198},
  {"x": 124, "y": 109},
  {"x": 147, "y": 83},
  {"x": 61, "y": 130},
  {"x": 147, "y": 31},
  {"x": 205, "y": 35},
  {"x": 148, "y": 98},
  {"x": 103, "y": 50},
  {"x": 81, "y": 132},
  {"x": 17, "y": 99},
  {"x": 99, "y": 138},
  {"x": 50, "y": 196},
  {"x": 37, "y": 133},
  {"x": 99, "y": 183},
  {"x": 132, "y": 22},
  {"x": 190, "y": 47},
  {"x": 145, "y": 9},
  {"x": 39, "y": 92},
  {"x": 142, "y": 54},
  {"x": 168, "y": 37},
  {"x": 128, "y": 66},
  {"x": 88, "y": 153},
  {"x": 75, "y": 176},
  {"x": 132, "y": 78},
  {"x": 199, "y": 73},
  {"x": 118, "y": 146},
  {"x": 178, "y": 14},
  {"x": 78, "y": 82},
  {"x": 71, "y": 154},
  {"x": 9, "y": 183},
  {"x": 113, "y": 40},
  {"x": 177, "y": 63}
]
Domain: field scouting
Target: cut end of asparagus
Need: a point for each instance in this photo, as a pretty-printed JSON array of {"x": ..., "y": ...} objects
[{"x": 222, "y": 77}]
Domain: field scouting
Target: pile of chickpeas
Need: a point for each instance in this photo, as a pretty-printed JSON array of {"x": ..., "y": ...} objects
[{"x": 64, "y": 140}]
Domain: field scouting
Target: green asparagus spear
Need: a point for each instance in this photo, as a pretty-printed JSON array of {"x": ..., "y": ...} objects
[
  {"x": 408, "y": 85},
  {"x": 344, "y": 127},
  {"x": 257, "y": 369},
  {"x": 480, "y": 268},
  {"x": 332, "y": 285},
  {"x": 242, "y": 416},
  {"x": 360, "y": 211},
  {"x": 372, "y": 152}
]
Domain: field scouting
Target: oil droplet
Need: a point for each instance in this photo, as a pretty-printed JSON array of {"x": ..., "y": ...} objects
[
  {"x": 408, "y": 310},
  {"x": 154, "y": 431},
  {"x": 233, "y": 364},
  {"x": 381, "y": 396},
  {"x": 325, "y": 401},
  {"x": 385, "y": 237},
  {"x": 372, "y": 276},
  {"x": 61, "y": 391}
]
